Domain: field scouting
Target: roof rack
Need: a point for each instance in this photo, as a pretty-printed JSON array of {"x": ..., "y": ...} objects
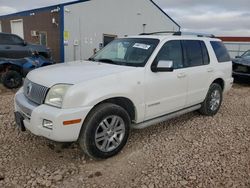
[
  {"x": 158, "y": 32},
  {"x": 180, "y": 33}
]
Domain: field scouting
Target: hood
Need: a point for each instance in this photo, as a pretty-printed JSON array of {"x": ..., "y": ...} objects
[
  {"x": 74, "y": 72},
  {"x": 242, "y": 61},
  {"x": 37, "y": 47}
]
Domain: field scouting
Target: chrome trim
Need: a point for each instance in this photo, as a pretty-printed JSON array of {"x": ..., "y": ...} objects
[
  {"x": 165, "y": 117},
  {"x": 34, "y": 92},
  {"x": 25, "y": 105}
]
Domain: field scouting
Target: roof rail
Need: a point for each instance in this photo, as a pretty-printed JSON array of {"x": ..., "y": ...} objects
[
  {"x": 193, "y": 33},
  {"x": 158, "y": 32},
  {"x": 180, "y": 33}
]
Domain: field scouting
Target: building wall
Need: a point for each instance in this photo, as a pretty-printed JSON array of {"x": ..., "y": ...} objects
[
  {"x": 236, "y": 45},
  {"x": 40, "y": 21},
  {"x": 237, "y": 48},
  {"x": 86, "y": 22}
]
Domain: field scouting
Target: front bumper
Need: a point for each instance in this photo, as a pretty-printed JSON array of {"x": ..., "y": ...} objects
[
  {"x": 241, "y": 74},
  {"x": 34, "y": 115}
]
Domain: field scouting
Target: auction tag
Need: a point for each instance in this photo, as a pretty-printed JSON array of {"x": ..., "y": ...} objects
[{"x": 141, "y": 46}]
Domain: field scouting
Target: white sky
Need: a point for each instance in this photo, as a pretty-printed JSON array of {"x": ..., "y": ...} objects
[{"x": 220, "y": 17}]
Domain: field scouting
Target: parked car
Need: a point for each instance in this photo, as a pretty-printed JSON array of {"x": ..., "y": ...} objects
[
  {"x": 12, "y": 71},
  {"x": 133, "y": 82},
  {"x": 241, "y": 65},
  {"x": 14, "y": 47}
]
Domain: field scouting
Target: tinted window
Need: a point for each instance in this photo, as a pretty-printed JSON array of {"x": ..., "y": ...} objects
[
  {"x": 171, "y": 51},
  {"x": 10, "y": 40},
  {"x": 194, "y": 53},
  {"x": 4, "y": 39},
  {"x": 220, "y": 51},
  {"x": 206, "y": 59},
  {"x": 16, "y": 40}
]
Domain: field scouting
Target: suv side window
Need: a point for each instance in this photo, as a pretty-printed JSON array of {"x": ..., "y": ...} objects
[
  {"x": 6, "y": 39},
  {"x": 16, "y": 40},
  {"x": 194, "y": 52},
  {"x": 220, "y": 51},
  {"x": 205, "y": 55},
  {"x": 171, "y": 51}
]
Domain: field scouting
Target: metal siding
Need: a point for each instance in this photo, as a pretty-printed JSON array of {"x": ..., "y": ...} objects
[
  {"x": 61, "y": 33},
  {"x": 87, "y": 22}
]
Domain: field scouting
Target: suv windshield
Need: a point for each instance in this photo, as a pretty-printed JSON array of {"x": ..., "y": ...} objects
[
  {"x": 246, "y": 53},
  {"x": 127, "y": 51}
]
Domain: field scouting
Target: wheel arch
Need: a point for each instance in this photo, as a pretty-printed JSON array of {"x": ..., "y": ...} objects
[
  {"x": 10, "y": 66},
  {"x": 221, "y": 82},
  {"x": 123, "y": 102}
]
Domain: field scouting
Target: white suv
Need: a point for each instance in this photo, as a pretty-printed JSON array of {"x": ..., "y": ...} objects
[{"x": 134, "y": 82}]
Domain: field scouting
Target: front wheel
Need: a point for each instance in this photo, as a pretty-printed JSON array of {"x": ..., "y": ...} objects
[
  {"x": 212, "y": 103},
  {"x": 12, "y": 79},
  {"x": 105, "y": 131}
]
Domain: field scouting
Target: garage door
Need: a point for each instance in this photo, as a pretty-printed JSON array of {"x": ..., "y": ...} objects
[{"x": 17, "y": 27}]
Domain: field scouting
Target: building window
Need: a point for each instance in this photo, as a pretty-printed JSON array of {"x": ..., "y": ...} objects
[
  {"x": 0, "y": 26},
  {"x": 43, "y": 38},
  {"x": 108, "y": 38},
  {"x": 17, "y": 27}
]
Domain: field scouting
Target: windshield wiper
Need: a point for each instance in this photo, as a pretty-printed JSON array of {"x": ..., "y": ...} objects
[
  {"x": 105, "y": 60},
  {"x": 91, "y": 59}
]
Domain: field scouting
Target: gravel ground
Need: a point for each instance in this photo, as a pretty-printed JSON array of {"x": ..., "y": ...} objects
[{"x": 189, "y": 151}]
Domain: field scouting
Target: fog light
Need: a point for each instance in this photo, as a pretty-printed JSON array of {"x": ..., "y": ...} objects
[{"x": 47, "y": 124}]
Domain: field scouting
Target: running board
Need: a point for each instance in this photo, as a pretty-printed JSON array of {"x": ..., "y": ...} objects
[{"x": 165, "y": 118}]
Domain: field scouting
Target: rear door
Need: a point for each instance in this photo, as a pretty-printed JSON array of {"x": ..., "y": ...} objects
[{"x": 198, "y": 69}]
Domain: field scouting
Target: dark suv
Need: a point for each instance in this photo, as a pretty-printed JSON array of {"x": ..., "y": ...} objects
[{"x": 14, "y": 47}]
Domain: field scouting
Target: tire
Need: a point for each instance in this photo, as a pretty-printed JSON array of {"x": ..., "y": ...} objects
[
  {"x": 213, "y": 100},
  {"x": 12, "y": 79},
  {"x": 98, "y": 138}
]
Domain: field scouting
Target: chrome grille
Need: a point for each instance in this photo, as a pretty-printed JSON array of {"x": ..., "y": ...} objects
[{"x": 34, "y": 92}]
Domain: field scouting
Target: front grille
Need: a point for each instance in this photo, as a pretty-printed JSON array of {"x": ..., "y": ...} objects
[{"x": 34, "y": 92}]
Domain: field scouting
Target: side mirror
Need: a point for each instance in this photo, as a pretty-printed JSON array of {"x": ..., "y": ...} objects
[
  {"x": 25, "y": 43},
  {"x": 163, "y": 66}
]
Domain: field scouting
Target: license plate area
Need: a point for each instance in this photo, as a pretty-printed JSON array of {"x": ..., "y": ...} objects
[{"x": 19, "y": 121}]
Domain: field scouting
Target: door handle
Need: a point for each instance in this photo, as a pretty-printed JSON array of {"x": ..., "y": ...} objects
[
  {"x": 181, "y": 75},
  {"x": 210, "y": 70},
  {"x": 7, "y": 47}
]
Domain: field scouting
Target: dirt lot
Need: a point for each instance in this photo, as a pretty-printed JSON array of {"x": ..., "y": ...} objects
[{"x": 189, "y": 151}]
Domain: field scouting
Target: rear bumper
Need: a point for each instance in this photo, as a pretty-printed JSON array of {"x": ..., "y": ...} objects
[
  {"x": 34, "y": 117},
  {"x": 228, "y": 84}
]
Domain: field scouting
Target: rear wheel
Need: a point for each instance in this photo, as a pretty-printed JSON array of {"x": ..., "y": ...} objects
[
  {"x": 12, "y": 79},
  {"x": 105, "y": 131},
  {"x": 212, "y": 103}
]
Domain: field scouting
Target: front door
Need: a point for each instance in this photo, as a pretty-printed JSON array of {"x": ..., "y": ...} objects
[{"x": 165, "y": 92}]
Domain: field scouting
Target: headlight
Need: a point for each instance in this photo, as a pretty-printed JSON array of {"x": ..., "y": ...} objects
[{"x": 56, "y": 94}]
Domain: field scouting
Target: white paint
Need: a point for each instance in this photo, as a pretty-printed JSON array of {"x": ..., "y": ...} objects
[
  {"x": 17, "y": 27},
  {"x": 153, "y": 94},
  {"x": 111, "y": 17}
]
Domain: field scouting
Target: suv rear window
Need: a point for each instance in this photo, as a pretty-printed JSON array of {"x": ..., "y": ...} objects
[{"x": 220, "y": 51}]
